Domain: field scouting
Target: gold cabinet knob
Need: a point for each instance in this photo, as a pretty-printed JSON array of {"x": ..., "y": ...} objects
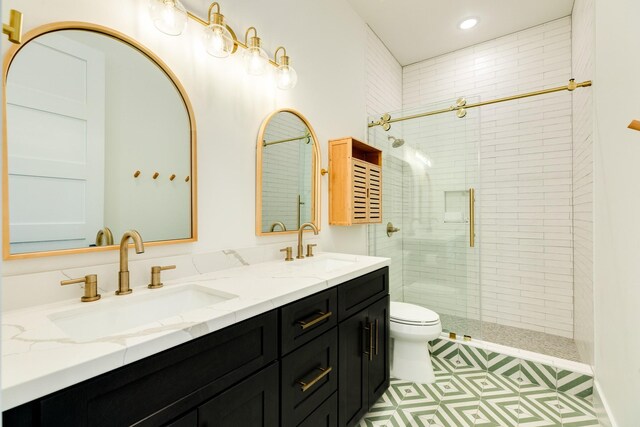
[
  {"x": 90, "y": 287},
  {"x": 156, "y": 281},
  {"x": 289, "y": 253}
]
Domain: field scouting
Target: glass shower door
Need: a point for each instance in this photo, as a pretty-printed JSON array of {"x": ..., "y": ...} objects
[{"x": 439, "y": 173}]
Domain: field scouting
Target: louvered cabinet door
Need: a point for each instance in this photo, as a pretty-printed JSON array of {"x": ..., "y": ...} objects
[
  {"x": 374, "y": 199},
  {"x": 359, "y": 182},
  {"x": 366, "y": 193}
]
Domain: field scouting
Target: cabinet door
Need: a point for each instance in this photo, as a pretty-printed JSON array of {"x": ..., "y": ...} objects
[
  {"x": 359, "y": 192},
  {"x": 379, "y": 362},
  {"x": 253, "y": 402},
  {"x": 354, "y": 340},
  {"x": 374, "y": 193}
]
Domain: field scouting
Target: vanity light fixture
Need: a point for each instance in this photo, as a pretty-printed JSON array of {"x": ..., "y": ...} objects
[
  {"x": 286, "y": 76},
  {"x": 219, "y": 38},
  {"x": 170, "y": 17},
  {"x": 14, "y": 29},
  {"x": 255, "y": 58}
]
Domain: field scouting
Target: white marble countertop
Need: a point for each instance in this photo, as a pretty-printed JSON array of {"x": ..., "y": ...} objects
[{"x": 38, "y": 357}]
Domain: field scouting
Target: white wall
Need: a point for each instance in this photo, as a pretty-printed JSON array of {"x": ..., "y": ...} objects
[
  {"x": 524, "y": 196},
  {"x": 617, "y": 207},
  {"x": 582, "y": 46},
  {"x": 229, "y": 105}
]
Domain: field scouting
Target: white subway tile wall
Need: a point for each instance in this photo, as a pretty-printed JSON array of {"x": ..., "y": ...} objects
[
  {"x": 583, "y": 42},
  {"x": 384, "y": 93},
  {"x": 524, "y": 196}
]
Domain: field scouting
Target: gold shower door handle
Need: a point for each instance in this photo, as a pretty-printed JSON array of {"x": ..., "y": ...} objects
[{"x": 472, "y": 217}]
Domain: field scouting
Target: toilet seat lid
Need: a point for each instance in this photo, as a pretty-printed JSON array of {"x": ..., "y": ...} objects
[{"x": 412, "y": 314}]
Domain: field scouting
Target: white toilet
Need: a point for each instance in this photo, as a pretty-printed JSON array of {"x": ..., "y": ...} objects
[{"x": 411, "y": 327}]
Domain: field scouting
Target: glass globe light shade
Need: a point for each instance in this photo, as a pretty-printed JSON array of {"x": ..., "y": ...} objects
[
  {"x": 218, "y": 41},
  {"x": 286, "y": 77},
  {"x": 255, "y": 61},
  {"x": 169, "y": 16}
]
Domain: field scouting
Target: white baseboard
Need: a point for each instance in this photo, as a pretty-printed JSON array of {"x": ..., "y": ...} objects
[{"x": 603, "y": 411}]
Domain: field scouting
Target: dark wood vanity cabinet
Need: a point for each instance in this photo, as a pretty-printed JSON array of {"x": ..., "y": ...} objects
[
  {"x": 318, "y": 362},
  {"x": 364, "y": 360}
]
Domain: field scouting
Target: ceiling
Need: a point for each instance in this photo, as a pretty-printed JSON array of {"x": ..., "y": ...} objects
[{"x": 414, "y": 30}]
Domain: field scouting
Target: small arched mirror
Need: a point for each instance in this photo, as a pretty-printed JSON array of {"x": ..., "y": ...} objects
[
  {"x": 287, "y": 185},
  {"x": 99, "y": 139}
]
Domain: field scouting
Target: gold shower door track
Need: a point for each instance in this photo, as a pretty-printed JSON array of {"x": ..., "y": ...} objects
[{"x": 461, "y": 105}]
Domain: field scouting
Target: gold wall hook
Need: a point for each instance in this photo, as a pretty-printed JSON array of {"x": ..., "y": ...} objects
[
  {"x": 187, "y": 179},
  {"x": 156, "y": 175},
  {"x": 323, "y": 171},
  {"x": 14, "y": 29},
  {"x": 136, "y": 174},
  {"x": 172, "y": 177}
]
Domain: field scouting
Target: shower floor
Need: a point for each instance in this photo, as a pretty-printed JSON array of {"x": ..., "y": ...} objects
[{"x": 538, "y": 342}]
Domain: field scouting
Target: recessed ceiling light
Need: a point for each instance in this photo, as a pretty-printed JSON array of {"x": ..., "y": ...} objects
[{"x": 468, "y": 23}]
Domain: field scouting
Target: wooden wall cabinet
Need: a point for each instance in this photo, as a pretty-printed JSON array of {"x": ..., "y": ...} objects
[{"x": 355, "y": 183}]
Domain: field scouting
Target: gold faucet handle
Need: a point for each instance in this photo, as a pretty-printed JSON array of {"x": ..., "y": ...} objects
[
  {"x": 289, "y": 251},
  {"x": 90, "y": 287},
  {"x": 310, "y": 247},
  {"x": 155, "y": 275}
]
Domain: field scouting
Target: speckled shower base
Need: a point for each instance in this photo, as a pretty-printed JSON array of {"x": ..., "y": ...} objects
[
  {"x": 477, "y": 387},
  {"x": 525, "y": 339}
]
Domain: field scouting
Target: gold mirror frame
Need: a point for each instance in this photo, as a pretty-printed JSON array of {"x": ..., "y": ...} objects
[
  {"x": 76, "y": 25},
  {"x": 315, "y": 170}
]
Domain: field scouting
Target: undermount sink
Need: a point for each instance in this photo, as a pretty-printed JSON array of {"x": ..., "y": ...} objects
[
  {"x": 119, "y": 314},
  {"x": 325, "y": 264}
]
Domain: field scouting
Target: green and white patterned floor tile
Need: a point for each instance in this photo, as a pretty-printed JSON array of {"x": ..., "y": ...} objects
[
  {"x": 467, "y": 395},
  {"x": 459, "y": 411},
  {"x": 498, "y": 411},
  {"x": 538, "y": 373},
  {"x": 576, "y": 411},
  {"x": 541, "y": 404},
  {"x": 574, "y": 383},
  {"x": 473, "y": 356}
]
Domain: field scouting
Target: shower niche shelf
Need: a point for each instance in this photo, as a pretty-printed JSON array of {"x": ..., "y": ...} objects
[{"x": 355, "y": 183}]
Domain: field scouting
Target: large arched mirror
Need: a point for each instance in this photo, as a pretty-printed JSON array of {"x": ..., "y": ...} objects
[
  {"x": 287, "y": 184},
  {"x": 99, "y": 139}
]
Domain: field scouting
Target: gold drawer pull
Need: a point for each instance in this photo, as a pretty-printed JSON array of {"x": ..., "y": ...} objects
[
  {"x": 306, "y": 386},
  {"x": 321, "y": 316}
]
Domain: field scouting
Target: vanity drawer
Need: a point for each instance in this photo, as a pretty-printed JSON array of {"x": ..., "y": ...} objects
[
  {"x": 309, "y": 376},
  {"x": 303, "y": 320},
  {"x": 358, "y": 293}
]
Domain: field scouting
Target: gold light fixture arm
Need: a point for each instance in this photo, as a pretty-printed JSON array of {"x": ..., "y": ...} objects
[
  {"x": 14, "y": 29},
  {"x": 214, "y": 17},
  {"x": 217, "y": 17},
  {"x": 386, "y": 120}
]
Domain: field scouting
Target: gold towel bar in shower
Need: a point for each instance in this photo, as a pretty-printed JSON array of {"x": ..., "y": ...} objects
[{"x": 461, "y": 107}]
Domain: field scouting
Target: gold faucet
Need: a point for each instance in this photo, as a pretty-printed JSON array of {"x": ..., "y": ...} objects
[
  {"x": 104, "y": 237},
  {"x": 302, "y": 227},
  {"x": 123, "y": 276},
  {"x": 276, "y": 224}
]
